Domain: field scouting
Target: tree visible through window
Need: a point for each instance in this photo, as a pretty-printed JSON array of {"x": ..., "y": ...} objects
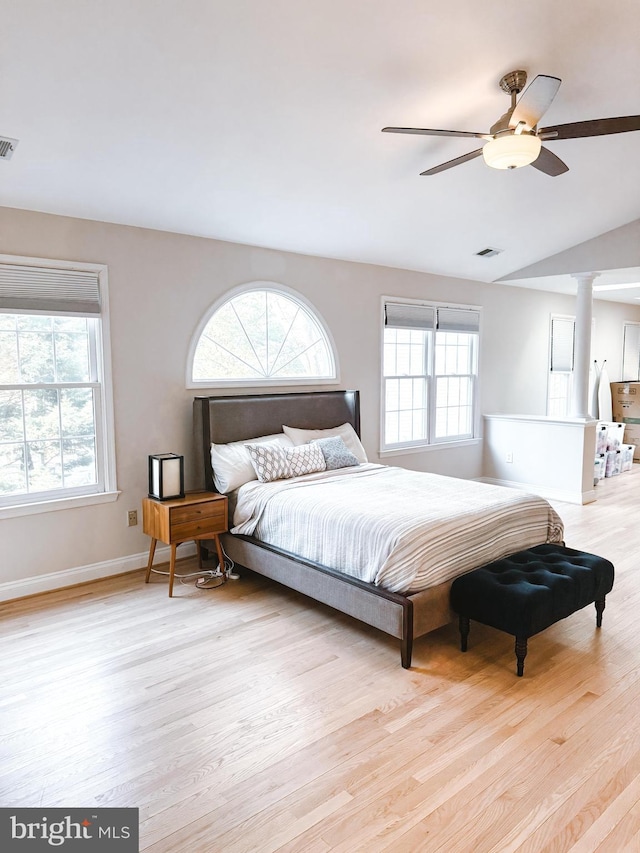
[
  {"x": 47, "y": 424},
  {"x": 56, "y": 438},
  {"x": 263, "y": 335}
]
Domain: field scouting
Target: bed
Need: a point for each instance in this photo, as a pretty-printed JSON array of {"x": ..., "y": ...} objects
[{"x": 381, "y": 599}]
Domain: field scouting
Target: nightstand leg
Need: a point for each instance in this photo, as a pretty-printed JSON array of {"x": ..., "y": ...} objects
[
  {"x": 172, "y": 568},
  {"x": 152, "y": 551},
  {"x": 220, "y": 556}
]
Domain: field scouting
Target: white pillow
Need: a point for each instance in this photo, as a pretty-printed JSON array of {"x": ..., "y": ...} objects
[
  {"x": 346, "y": 433},
  {"x": 231, "y": 462}
]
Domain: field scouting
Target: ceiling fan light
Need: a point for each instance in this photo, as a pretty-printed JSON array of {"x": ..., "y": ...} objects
[{"x": 512, "y": 151}]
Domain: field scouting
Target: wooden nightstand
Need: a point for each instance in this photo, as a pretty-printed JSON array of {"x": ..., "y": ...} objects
[{"x": 198, "y": 515}]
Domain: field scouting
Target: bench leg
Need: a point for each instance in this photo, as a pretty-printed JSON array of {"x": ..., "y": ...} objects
[
  {"x": 521, "y": 653},
  {"x": 464, "y": 632},
  {"x": 599, "y": 612}
]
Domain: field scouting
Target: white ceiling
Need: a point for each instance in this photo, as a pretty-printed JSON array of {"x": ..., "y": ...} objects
[{"x": 259, "y": 122}]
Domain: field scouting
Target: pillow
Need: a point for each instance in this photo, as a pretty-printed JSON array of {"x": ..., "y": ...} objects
[
  {"x": 306, "y": 459},
  {"x": 336, "y": 453},
  {"x": 231, "y": 462},
  {"x": 346, "y": 433},
  {"x": 273, "y": 462},
  {"x": 269, "y": 461}
]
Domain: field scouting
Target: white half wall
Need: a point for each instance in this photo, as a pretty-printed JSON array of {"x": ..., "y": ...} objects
[{"x": 548, "y": 456}]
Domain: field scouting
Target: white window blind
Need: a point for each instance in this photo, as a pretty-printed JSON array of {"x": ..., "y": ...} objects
[
  {"x": 53, "y": 291},
  {"x": 562, "y": 344},
  {"x": 458, "y": 320},
  {"x": 408, "y": 316}
]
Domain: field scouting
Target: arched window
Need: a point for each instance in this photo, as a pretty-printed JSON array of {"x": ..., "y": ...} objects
[{"x": 262, "y": 333}]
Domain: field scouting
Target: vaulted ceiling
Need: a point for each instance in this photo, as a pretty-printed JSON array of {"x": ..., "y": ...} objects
[{"x": 259, "y": 122}]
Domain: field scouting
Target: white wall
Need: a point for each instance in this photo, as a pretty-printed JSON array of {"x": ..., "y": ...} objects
[{"x": 160, "y": 286}]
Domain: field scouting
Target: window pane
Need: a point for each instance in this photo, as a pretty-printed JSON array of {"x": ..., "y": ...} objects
[
  {"x": 389, "y": 367},
  {"x": 454, "y": 413},
  {"x": 392, "y": 394},
  {"x": 11, "y": 422},
  {"x": 405, "y": 405},
  {"x": 72, "y": 352},
  {"x": 9, "y": 372},
  {"x": 79, "y": 462},
  {"x": 42, "y": 414},
  {"x": 36, "y": 356},
  {"x": 44, "y": 465},
  {"x": 13, "y": 475},
  {"x": 262, "y": 334},
  {"x": 76, "y": 409}
]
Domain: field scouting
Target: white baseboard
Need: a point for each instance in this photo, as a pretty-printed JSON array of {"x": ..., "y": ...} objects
[
  {"x": 549, "y": 494},
  {"x": 95, "y": 571}
]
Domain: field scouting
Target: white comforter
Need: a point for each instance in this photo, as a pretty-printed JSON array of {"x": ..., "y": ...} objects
[{"x": 402, "y": 530}]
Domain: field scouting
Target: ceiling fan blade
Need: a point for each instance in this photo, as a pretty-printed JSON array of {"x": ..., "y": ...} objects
[
  {"x": 595, "y": 127},
  {"x": 548, "y": 163},
  {"x": 535, "y": 101},
  {"x": 423, "y": 131},
  {"x": 451, "y": 163}
]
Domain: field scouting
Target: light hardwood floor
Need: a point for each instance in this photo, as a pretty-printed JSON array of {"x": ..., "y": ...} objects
[{"x": 250, "y": 719}]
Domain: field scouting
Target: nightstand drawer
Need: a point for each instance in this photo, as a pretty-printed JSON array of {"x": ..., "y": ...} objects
[
  {"x": 215, "y": 511},
  {"x": 193, "y": 529}
]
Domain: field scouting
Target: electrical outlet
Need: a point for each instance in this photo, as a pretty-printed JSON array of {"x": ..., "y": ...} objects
[
  {"x": 132, "y": 517},
  {"x": 509, "y": 457}
]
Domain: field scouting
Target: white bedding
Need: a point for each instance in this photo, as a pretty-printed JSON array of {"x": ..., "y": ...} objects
[{"x": 399, "y": 529}]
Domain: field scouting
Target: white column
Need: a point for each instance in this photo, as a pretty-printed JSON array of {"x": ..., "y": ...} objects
[{"x": 582, "y": 354}]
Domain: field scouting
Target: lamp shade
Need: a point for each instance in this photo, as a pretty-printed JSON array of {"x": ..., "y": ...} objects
[
  {"x": 166, "y": 476},
  {"x": 512, "y": 151}
]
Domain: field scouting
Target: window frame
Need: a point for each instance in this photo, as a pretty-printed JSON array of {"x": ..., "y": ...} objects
[
  {"x": 273, "y": 287},
  {"x": 630, "y": 351},
  {"x": 431, "y": 442},
  {"x": 105, "y": 490}
]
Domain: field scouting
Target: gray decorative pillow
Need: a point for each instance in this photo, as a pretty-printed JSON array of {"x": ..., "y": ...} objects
[
  {"x": 273, "y": 462},
  {"x": 304, "y": 460},
  {"x": 336, "y": 453},
  {"x": 269, "y": 461}
]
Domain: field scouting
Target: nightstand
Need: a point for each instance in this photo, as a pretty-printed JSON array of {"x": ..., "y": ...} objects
[{"x": 198, "y": 515}]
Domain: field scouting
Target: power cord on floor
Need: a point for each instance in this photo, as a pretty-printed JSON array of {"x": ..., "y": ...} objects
[
  {"x": 213, "y": 578},
  {"x": 208, "y": 578}
]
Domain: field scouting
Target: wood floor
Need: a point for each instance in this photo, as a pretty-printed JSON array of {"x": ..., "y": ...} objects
[{"x": 250, "y": 719}]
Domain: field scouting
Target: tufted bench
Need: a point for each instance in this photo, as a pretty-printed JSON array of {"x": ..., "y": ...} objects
[{"x": 528, "y": 591}]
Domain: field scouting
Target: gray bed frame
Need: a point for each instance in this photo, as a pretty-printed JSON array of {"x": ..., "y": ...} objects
[{"x": 235, "y": 418}]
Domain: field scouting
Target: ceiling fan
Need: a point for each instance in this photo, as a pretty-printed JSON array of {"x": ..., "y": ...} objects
[{"x": 515, "y": 139}]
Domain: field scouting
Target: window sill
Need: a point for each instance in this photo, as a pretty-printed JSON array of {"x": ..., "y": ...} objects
[
  {"x": 421, "y": 448},
  {"x": 58, "y": 504}
]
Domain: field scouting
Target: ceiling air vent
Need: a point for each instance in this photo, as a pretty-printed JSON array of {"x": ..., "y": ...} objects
[
  {"x": 7, "y": 147},
  {"x": 488, "y": 252}
]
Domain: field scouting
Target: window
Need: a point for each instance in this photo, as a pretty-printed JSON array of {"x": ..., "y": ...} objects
[
  {"x": 56, "y": 440},
  {"x": 429, "y": 374},
  {"x": 631, "y": 352},
  {"x": 262, "y": 334},
  {"x": 561, "y": 355}
]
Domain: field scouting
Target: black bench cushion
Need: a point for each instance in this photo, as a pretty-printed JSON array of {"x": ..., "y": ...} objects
[{"x": 528, "y": 591}]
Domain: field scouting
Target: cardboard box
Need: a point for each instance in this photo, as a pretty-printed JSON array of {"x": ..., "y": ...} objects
[{"x": 625, "y": 401}]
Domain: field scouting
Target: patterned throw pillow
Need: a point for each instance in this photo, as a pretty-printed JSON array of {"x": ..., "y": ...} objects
[
  {"x": 336, "y": 453},
  {"x": 306, "y": 459},
  {"x": 269, "y": 461}
]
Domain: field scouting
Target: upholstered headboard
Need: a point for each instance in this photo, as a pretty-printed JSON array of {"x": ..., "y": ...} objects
[{"x": 235, "y": 418}]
